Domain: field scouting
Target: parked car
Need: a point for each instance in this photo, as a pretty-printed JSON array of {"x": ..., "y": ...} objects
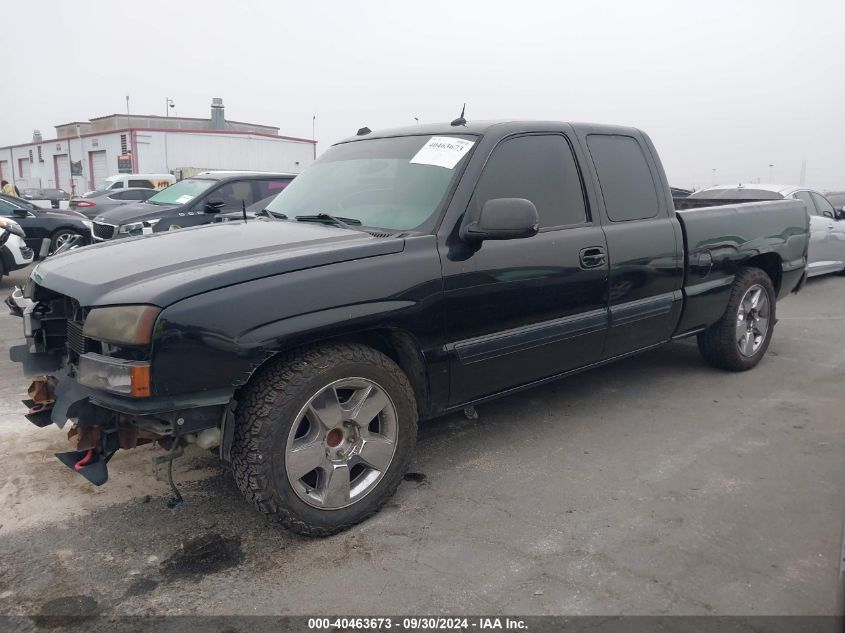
[
  {"x": 14, "y": 253},
  {"x": 827, "y": 225},
  {"x": 257, "y": 210},
  {"x": 126, "y": 181},
  {"x": 46, "y": 229},
  {"x": 54, "y": 196},
  {"x": 420, "y": 271},
  {"x": 189, "y": 202},
  {"x": 100, "y": 202}
]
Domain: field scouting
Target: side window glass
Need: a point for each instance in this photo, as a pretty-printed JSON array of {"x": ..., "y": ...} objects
[
  {"x": 625, "y": 179},
  {"x": 268, "y": 188},
  {"x": 140, "y": 183},
  {"x": 804, "y": 196},
  {"x": 823, "y": 205},
  {"x": 117, "y": 185},
  {"x": 6, "y": 209},
  {"x": 233, "y": 195},
  {"x": 541, "y": 169}
]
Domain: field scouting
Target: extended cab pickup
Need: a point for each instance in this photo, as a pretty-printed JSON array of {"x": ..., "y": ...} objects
[{"x": 419, "y": 271}]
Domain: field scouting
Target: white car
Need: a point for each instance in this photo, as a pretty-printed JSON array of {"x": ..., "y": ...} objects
[
  {"x": 14, "y": 253},
  {"x": 827, "y": 225}
]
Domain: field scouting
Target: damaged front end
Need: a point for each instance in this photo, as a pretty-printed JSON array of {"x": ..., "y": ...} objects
[{"x": 94, "y": 366}]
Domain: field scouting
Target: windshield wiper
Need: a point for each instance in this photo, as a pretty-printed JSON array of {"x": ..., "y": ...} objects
[
  {"x": 344, "y": 223},
  {"x": 273, "y": 216}
]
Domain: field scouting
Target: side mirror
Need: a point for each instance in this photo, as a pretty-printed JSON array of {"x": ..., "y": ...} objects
[
  {"x": 214, "y": 206},
  {"x": 501, "y": 219},
  {"x": 12, "y": 228},
  {"x": 839, "y": 213},
  {"x": 827, "y": 214},
  {"x": 21, "y": 213}
]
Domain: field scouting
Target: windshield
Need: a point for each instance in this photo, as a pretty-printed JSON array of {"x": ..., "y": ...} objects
[
  {"x": 182, "y": 192},
  {"x": 375, "y": 182}
]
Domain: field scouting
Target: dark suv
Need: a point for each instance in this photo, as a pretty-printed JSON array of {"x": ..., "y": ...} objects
[{"x": 189, "y": 202}]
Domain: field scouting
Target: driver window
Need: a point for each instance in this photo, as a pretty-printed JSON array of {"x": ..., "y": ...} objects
[
  {"x": 234, "y": 194},
  {"x": 6, "y": 209},
  {"x": 823, "y": 205}
]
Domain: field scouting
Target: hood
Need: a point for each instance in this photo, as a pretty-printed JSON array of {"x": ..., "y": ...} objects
[
  {"x": 163, "y": 268},
  {"x": 135, "y": 212},
  {"x": 61, "y": 214}
]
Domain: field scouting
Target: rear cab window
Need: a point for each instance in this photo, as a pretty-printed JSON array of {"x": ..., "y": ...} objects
[{"x": 625, "y": 178}]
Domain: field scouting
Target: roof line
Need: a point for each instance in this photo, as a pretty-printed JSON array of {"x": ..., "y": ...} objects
[
  {"x": 173, "y": 118},
  {"x": 158, "y": 129}
]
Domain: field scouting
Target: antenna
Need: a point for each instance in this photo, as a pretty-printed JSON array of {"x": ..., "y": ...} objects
[
  {"x": 460, "y": 120},
  {"x": 363, "y": 131}
]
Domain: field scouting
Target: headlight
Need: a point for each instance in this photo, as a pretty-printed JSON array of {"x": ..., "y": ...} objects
[
  {"x": 135, "y": 227},
  {"x": 121, "y": 325},
  {"x": 126, "y": 377}
]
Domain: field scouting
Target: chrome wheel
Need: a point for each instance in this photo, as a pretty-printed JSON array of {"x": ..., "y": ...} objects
[
  {"x": 62, "y": 239},
  {"x": 752, "y": 320},
  {"x": 341, "y": 444}
]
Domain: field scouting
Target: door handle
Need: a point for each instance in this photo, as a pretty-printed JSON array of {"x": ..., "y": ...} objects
[{"x": 592, "y": 257}]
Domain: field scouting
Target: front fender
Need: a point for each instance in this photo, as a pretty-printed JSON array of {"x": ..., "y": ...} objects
[{"x": 216, "y": 340}]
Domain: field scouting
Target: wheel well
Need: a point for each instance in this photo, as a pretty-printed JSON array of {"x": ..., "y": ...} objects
[
  {"x": 397, "y": 345},
  {"x": 770, "y": 263}
]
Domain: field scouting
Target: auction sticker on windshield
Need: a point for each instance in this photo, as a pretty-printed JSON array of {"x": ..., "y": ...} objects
[
  {"x": 184, "y": 199},
  {"x": 442, "y": 151}
]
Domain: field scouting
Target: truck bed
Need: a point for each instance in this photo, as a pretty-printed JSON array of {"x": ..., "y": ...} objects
[{"x": 720, "y": 238}]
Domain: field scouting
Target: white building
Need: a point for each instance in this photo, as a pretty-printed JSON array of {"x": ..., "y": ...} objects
[{"x": 123, "y": 143}]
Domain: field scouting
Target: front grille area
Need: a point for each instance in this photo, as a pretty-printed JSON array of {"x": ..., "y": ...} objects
[
  {"x": 103, "y": 231},
  {"x": 75, "y": 339}
]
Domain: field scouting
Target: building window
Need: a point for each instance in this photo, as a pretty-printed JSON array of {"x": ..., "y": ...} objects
[
  {"x": 40, "y": 157},
  {"x": 30, "y": 156},
  {"x": 123, "y": 146}
]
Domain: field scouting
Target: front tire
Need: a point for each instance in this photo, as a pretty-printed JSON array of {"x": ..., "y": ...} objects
[
  {"x": 323, "y": 437},
  {"x": 61, "y": 237},
  {"x": 739, "y": 340}
]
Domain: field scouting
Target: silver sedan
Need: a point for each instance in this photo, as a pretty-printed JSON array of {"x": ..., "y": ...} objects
[
  {"x": 96, "y": 203},
  {"x": 827, "y": 225}
]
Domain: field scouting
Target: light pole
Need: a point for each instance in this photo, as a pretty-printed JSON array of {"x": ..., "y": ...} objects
[
  {"x": 770, "y": 172},
  {"x": 417, "y": 119},
  {"x": 714, "y": 176},
  {"x": 168, "y": 104},
  {"x": 313, "y": 138}
]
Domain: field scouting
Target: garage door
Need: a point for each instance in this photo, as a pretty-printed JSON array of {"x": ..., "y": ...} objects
[
  {"x": 62, "y": 165},
  {"x": 99, "y": 168}
]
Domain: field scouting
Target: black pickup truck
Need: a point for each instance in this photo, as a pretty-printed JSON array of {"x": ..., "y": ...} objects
[{"x": 417, "y": 271}]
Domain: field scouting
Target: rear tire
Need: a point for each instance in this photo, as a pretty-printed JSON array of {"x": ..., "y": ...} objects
[
  {"x": 311, "y": 408},
  {"x": 739, "y": 340}
]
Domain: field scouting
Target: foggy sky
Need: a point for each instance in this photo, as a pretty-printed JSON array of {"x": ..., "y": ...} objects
[{"x": 732, "y": 86}]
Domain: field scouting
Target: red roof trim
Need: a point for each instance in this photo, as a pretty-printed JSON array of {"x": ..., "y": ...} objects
[{"x": 164, "y": 129}]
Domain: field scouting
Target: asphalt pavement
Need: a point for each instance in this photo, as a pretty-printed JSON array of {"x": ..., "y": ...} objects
[{"x": 656, "y": 485}]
